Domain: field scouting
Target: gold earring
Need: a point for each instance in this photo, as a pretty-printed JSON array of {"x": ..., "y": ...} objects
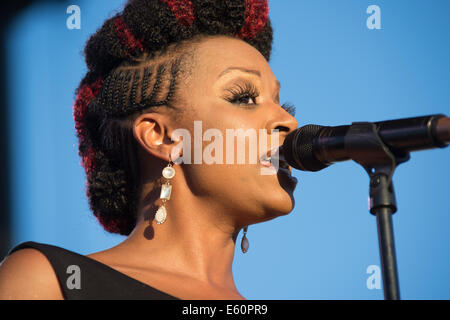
[{"x": 166, "y": 189}]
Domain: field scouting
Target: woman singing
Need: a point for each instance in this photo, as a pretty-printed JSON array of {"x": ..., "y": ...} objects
[{"x": 155, "y": 68}]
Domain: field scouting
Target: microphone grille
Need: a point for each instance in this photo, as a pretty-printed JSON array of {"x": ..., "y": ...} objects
[{"x": 298, "y": 148}]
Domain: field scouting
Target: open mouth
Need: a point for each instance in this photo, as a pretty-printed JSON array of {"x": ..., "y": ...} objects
[
  {"x": 275, "y": 161},
  {"x": 274, "y": 158}
]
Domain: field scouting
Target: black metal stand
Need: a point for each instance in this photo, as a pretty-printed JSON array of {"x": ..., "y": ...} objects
[
  {"x": 366, "y": 148},
  {"x": 383, "y": 206}
]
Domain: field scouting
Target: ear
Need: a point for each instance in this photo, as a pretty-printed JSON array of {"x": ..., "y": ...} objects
[{"x": 150, "y": 130}]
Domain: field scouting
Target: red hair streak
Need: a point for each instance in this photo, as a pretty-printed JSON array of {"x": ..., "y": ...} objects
[
  {"x": 126, "y": 37},
  {"x": 183, "y": 10},
  {"x": 256, "y": 15},
  {"x": 84, "y": 97}
]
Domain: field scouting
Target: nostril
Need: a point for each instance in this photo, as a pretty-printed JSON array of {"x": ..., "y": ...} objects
[{"x": 282, "y": 128}]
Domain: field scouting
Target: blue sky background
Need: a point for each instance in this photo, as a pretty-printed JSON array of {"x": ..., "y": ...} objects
[{"x": 336, "y": 71}]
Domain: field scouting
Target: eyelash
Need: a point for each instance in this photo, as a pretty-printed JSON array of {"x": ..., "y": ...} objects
[
  {"x": 289, "y": 107},
  {"x": 248, "y": 90}
]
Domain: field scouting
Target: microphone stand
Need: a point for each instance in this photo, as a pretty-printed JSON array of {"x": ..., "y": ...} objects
[
  {"x": 314, "y": 147},
  {"x": 380, "y": 162}
]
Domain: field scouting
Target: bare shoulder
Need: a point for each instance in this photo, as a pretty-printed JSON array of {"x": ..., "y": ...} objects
[{"x": 27, "y": 274}]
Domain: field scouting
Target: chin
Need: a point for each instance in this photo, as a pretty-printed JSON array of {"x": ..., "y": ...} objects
[
  {"x": 278, "y": 204},
  {"x": 280, "y": 200}
]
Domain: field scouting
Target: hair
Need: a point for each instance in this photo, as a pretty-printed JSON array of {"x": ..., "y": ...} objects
[{"x": 134, "y": 63}]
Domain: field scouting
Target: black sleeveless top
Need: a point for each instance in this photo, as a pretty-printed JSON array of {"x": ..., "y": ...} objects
[{"x": 81, "y": 277}]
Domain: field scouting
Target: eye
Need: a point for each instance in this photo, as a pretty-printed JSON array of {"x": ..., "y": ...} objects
[
  {"x": 243, "y": 94},
  {"x": 246, "y": 100}
]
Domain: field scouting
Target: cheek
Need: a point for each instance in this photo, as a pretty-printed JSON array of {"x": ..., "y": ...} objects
[
  {"x": 210, "y": 143},
  {"x": 229, "y": 186}
]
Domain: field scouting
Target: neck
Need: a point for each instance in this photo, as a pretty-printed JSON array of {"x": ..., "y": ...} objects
[{"x": 196, "y": 240}]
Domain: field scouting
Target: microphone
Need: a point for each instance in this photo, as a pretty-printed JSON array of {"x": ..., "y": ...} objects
[{"x": 313, "y": 147}]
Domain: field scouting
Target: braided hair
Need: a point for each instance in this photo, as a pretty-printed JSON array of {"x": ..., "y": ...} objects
[{"x": 134, "y": 61}]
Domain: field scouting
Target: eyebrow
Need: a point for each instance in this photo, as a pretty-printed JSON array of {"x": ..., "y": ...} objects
[{"x": 255, "y": 72}]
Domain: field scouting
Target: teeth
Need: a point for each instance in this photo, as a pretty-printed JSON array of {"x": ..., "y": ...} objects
[
  {"x": 266, "y": 159},
  {"x": 275, "y": 153}
]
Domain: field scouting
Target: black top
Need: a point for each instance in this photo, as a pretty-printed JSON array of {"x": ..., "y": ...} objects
[{"x": 81, "y": 277}]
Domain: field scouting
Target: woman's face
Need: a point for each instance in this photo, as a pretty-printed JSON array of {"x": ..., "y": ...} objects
[{"x": 233, "y": 87}]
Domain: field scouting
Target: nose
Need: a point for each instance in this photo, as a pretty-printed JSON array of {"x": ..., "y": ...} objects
[{"x": 283, "y": 122}]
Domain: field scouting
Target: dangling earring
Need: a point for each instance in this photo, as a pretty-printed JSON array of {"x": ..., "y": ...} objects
[
  {"x": 244, "y": 242},
  {"x": 166, "y": 189}
]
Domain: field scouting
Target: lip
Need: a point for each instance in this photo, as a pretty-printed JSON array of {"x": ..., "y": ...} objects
[
  {"x": 277, "y": 154},
  {"x": 287, "y": 178},
  {"x": 284, "y": 170},
  {"x": 268, "y": 154}
]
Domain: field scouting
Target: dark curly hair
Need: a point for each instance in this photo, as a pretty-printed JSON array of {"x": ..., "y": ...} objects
[{"x": 134, "y": 61}]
